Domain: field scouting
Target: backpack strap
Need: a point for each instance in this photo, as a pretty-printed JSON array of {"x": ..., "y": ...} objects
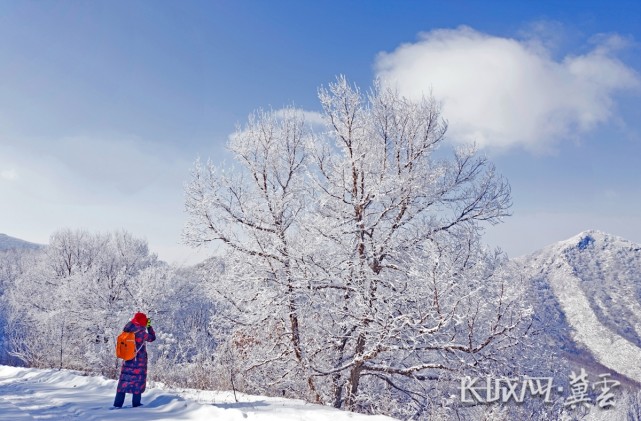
[{"x": 138, "y": 348}]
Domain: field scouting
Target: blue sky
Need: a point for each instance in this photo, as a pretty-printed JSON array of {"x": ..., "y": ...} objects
[{"x": 105, "y": 105}]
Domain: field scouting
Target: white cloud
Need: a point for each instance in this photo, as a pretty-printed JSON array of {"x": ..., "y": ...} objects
[
  {"x": 126, "y": 163},
  {"x": 100, "y": 183},
  {"x": 502, "y": 92},
  {"x": 9, "y": 174}
]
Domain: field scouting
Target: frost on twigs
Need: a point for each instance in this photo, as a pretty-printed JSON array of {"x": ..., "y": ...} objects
[{"x": 355, "y": 275}]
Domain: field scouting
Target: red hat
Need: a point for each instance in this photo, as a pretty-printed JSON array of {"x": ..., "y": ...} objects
[{"x": 139, "y": 319}]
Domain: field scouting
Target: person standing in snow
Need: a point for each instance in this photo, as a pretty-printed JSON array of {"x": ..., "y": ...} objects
[{"x": 133, "y": 374}]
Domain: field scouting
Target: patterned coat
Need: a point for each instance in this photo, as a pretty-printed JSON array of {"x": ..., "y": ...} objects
[{"x": 133, "y": 374}]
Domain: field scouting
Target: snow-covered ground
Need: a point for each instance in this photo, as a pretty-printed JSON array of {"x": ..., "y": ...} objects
[{"x": 31, "y": 394}]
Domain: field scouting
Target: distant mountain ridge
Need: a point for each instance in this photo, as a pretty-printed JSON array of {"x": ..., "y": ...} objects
[
  {"x": 586, "y": 294},
  {"x": 12, "y": 243}
]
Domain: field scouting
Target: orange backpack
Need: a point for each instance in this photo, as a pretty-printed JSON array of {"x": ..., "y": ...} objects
[{"x": 126, "y": 346}]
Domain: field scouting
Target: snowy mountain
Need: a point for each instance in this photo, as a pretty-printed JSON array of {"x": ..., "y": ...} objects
[
  {"x": 9, "y": 243},
  {"x": 587, "y": 300}
]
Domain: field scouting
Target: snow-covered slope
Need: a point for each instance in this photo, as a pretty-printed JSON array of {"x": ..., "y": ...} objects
[
  {"x": 9, "y": 243},
  {"x": 30, "y": 394},
  {"x": 589, "y": 295}
]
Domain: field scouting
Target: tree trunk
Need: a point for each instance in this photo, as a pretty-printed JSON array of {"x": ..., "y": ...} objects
[{"x": 355, "y": 375}]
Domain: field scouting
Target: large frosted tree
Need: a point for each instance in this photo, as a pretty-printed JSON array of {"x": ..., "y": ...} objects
[{"x": 355, "y": 275}]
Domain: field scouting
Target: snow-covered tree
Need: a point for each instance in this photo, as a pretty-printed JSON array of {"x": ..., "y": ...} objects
[
  {"x": 255, "y": 213},
  {"x": 181, "y": 313},
  {"x": 66, "y": 308},
  {"x": 63, "y": 306},
  {"x": 355, "y": 275},
  {"x": 13, "y": 263}
]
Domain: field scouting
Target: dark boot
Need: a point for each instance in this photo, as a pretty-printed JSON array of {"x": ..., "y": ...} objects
[
  {"x": 120, "y": 399},
  {"x": 135, "y": 400}
]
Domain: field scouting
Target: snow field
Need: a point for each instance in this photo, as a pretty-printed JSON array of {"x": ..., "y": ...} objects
[{"x": 32, "y": 394}]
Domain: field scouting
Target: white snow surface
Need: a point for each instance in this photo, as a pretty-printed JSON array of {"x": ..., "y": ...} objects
[
  {"x": 33, "y": 394},
  {"x": 573, "y": 291}
]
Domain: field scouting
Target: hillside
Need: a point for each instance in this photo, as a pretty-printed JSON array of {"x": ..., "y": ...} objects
[
  {"x": 587, "y": 295},
  {"x": 9, "y": 243}
]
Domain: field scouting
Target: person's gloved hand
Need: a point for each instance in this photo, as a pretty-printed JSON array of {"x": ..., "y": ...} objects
[{"x": 148, "y": 322}]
